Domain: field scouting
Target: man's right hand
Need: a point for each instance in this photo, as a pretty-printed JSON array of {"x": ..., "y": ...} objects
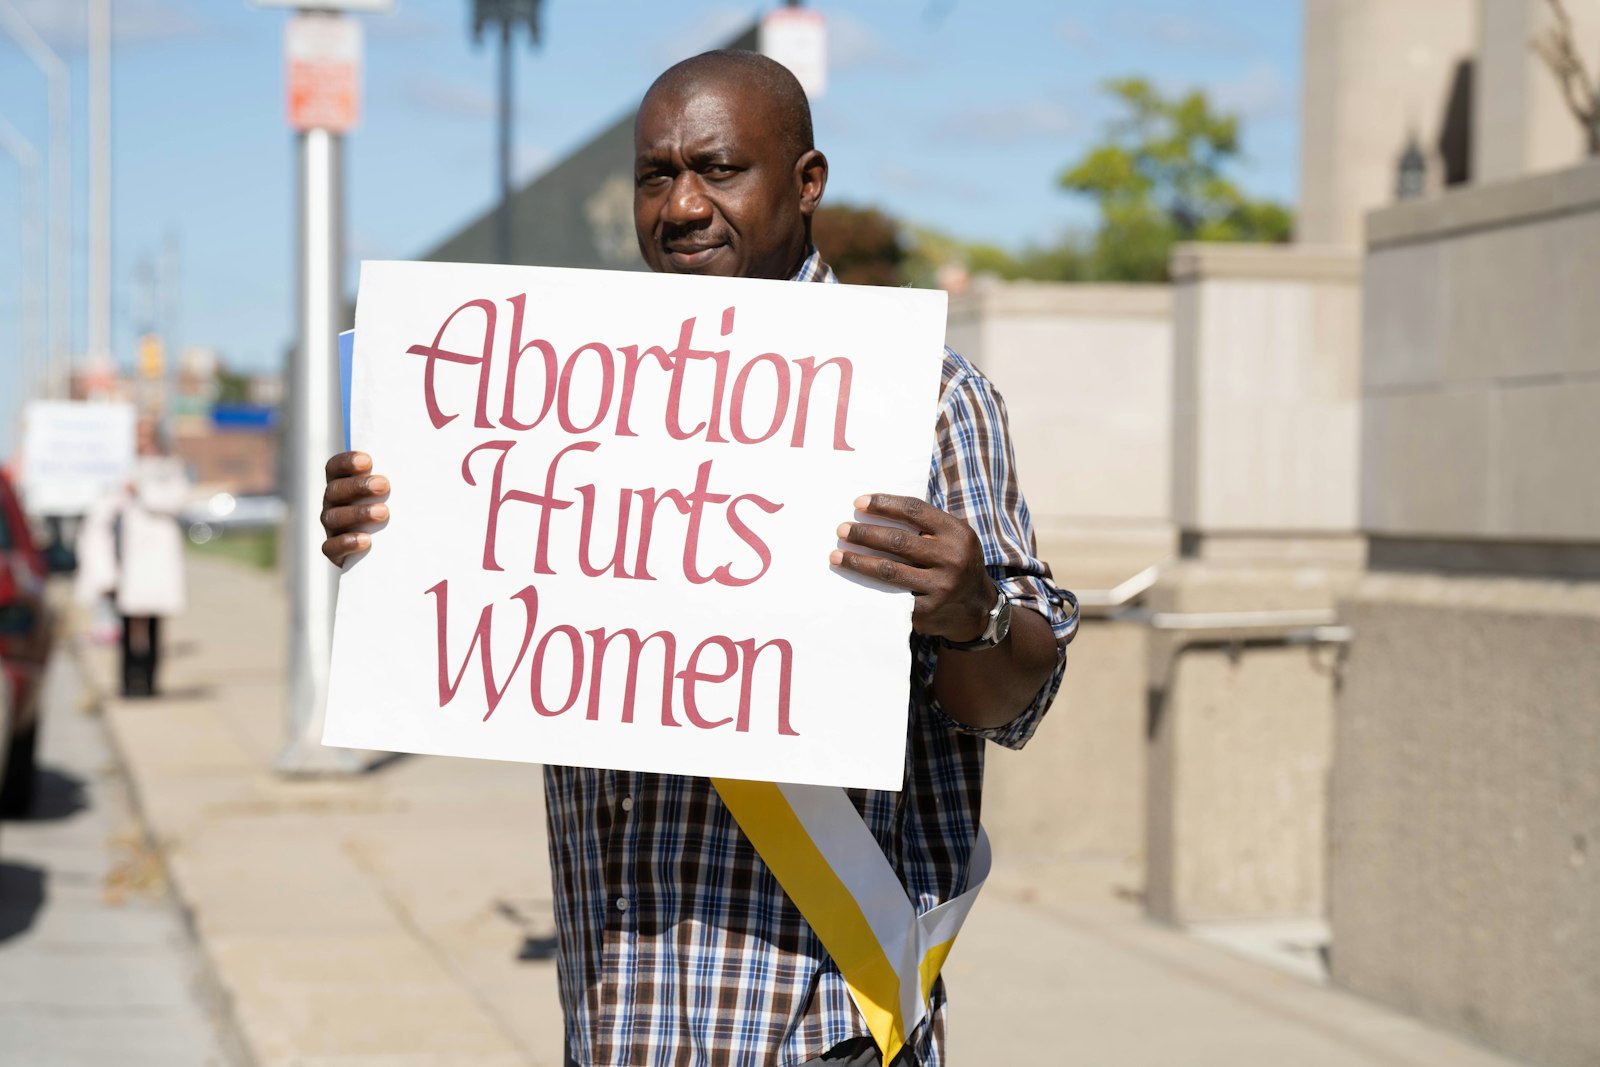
[{"x": 351, "y": 500}]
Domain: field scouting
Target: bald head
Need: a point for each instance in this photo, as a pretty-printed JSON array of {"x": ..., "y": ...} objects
[{"x": 762, "y": 83}]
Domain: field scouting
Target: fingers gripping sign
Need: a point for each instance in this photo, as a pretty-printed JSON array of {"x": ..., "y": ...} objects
[
  {"x": 352, "y": 499},
  {"x": 938, "y": 557}
]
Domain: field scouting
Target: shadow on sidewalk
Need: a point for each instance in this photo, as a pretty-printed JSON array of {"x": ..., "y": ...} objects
[
  {"x": 21, "y": 898},
  {"x": 57, "y": 794},
  {"x": 385, "y": 761}
]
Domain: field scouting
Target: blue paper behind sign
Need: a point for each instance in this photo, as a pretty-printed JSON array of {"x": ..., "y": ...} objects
[{"x": 347, "y": 352}]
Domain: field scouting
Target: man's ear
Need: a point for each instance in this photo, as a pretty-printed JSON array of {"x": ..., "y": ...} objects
[{"x": 811, "y": 174}]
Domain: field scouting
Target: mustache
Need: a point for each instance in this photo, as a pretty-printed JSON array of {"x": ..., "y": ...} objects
[{"x": 693, "y": 237}]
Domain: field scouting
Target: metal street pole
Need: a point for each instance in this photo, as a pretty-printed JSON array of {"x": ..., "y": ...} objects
[
  {"x": 502, "y": 236},
  {"x": 99, "y": 183},
  {"x": 508, "y": 14},
  {"x": 22, "y": 150},
  {"x": 315, "y": 433},
  {"x": 322, "y": 51},
  {"x": 58, "y": 153}
]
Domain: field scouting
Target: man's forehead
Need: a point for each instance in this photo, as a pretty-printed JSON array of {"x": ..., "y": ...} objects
[{"x": 700, "y": 116}]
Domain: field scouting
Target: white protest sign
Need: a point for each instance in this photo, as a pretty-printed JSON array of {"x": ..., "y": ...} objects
[
  {"x": 73, "y": 453},
  {"x": 613, "y": 500}
]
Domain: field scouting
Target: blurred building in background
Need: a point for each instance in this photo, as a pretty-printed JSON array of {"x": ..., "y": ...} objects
[
  {"x": 224, "y": 425},
  {"x": 1339, "y": 506},
  {"x": 579, "y": 212}
]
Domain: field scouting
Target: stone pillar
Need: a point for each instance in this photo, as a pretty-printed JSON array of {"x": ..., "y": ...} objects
[
  {"x": 1078, "y": 364},
  {"x": 1264, "y": 479},
  {"x": 1266, "y": 382},
  {"x": 1521, "y": 125},
  {"x": 1376, "y": 72},
  {"x": 1086, "y": 372}
]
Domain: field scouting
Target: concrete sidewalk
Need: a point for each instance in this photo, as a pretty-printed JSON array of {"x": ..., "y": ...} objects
[{"x": 403, "y": 918}]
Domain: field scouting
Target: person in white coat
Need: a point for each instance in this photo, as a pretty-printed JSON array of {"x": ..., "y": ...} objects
[{"x": 131, "y": 546}]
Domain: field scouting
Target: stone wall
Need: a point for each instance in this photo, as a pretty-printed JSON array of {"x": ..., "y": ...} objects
[
  {"x": 1465, "y": 799},
  {"x": 1077, "y": 791},
  {"x": 1086, "y": 371},
  {"x": 1481, "y": 364},
  {"x": 1465, "y": 809}
]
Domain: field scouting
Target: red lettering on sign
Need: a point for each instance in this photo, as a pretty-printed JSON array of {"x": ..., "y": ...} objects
[{"x": 585, "y": 663}]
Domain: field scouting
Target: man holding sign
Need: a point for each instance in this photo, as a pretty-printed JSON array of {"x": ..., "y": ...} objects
[{"x": 678, "y": 945}]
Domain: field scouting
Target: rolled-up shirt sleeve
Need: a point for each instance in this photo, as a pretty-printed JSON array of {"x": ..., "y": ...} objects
[{"x": 974, "y": 477}]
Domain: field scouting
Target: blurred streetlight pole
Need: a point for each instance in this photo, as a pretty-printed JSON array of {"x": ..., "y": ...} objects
[
  {"x": 322, "y": 51},
  {"x": 507, "y": 14},
  {"x": 315, "y": 424},
  {"x": 22, "y": 150},
  {"x": 99, "y": 183},
  {"x": 57, "y": 153}
]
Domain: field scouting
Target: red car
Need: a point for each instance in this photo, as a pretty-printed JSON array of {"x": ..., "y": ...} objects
[{"x": 24, "y": 648}]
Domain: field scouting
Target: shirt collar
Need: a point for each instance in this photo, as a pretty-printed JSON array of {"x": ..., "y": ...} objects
[{"x": 814, "y": 269}]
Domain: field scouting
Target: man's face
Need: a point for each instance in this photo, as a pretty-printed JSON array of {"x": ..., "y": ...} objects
[{"x": 715, "y": 192}]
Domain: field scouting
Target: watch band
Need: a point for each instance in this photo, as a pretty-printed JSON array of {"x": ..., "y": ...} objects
[{"x": 998, "y": 627}]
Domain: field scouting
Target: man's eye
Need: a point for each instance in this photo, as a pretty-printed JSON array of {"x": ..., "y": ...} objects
[
  {"x": 719, "y": 170},
  {"x": 654, "y": 178}
]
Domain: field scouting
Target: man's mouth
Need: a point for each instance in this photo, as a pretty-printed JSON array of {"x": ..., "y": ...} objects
[{"x": 687, "y": 255}]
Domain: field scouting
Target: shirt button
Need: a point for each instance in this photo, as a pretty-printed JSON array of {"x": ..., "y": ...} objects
[
  {"x": 627, "y": 803},
  {"x": 622, "y": 903}
]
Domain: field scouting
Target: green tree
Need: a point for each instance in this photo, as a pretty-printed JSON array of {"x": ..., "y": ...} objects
[
  {"x": 927, "y": 250},
  {"x": 232, "y": 388},
  {"x": 1159, "y": 178},
  {"x": 861, "y": 244}
]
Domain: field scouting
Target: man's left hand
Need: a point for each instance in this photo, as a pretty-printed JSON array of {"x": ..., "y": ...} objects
[{"x": 939, "y": 559}]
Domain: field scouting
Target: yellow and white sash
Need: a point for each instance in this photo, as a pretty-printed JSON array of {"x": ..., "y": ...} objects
[{"x": 834, "y": 871}]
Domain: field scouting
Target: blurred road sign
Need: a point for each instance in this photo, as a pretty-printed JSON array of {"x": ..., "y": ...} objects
[
  {"x": 322, "y": 52},
  {"x": 797, "y": 37},
  {"x": 370, "y": 7},
  {"x": 73, "y": 453},
  {"x": 152, "y": 356}
]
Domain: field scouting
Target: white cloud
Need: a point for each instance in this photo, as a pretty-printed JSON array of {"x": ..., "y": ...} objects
[
  {"x": 64, "y": 24},
  {"x": 1076, "y": 33},
  {"x": 712, "y": 28},
  {"x": 407, "y": 24},
  {"x": 528, "y": 162},
  {"x": 909, "y": 181},
  {"x": 852, "y": 43},
  {"x": 449, "y": 97},
  {"x": 362, "y": 245},
  {"x": 1257, "y": 92},
  {"x": 1176, "y": 32},
  {"x": 1010, "y": 123}
]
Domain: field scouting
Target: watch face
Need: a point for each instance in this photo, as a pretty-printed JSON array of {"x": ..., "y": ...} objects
[{"x": 1002, "y": 622}]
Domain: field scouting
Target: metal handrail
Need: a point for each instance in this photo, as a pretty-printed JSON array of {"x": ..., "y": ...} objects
[
  {"x": 1243, "y": 620},
  {"x": 1123, "y": 593},
  {"x": 1276, "y": 626},
  {"x": 1311, "y": 626}
]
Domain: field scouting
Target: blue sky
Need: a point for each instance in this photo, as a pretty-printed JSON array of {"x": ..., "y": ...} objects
[{"x": 951, "y": 113}]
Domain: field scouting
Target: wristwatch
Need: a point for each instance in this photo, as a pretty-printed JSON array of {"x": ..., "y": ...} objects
[{"x": 994, "y": 633}]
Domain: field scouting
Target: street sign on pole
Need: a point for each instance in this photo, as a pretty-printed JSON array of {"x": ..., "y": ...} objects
[
  {"x": 797, "y": 37},
  {"x": 322, "y": 58}
]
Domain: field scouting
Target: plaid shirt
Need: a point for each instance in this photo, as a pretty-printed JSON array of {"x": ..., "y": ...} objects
[{"x": 677, "y": 945}]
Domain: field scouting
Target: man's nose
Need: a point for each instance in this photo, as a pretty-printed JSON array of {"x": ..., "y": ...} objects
[{"x": 687, "y": 202}]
